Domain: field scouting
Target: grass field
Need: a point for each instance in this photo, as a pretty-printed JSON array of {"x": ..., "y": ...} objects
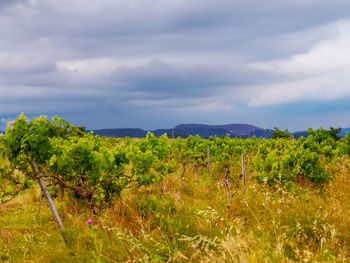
[{"x": 171, "y": 222}]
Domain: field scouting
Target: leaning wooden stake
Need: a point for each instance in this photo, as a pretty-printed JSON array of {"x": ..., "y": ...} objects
[
  {"x": 208, "y": 157},
  {"x": 47, "y": 196}
]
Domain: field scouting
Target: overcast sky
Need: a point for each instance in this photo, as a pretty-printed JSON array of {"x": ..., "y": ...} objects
[{"x": 157, "y": 63}]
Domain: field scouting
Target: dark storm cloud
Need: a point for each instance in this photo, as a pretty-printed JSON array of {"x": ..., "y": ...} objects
[
  {"x": 150, "y": 57},
  {"x": 175, "y": 26},
  {"x": 160, "y": 77},
  {"x": 8, "y": 3}
]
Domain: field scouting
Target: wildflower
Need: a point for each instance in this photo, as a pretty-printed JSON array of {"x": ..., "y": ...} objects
[{"x": 89, "y": 222}]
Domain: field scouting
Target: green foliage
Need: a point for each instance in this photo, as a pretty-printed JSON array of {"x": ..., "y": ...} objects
[
  {"x": 277, "y": 133},
  {"x": 66, "y": 156},
  {"x": 333, "y": 132},
  {"x": 158, "y": 219},
  {"x": 190, "y": 150},
  {"x": 149, "y": 158},
  {"x": 98, "y": 169},
  {"x": 287, "y": 161},
  {"x": 344, "y": 145},
  {"x": 89, "y": 166}
]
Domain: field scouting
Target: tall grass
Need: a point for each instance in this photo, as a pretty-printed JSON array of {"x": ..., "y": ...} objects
[{"x": 174, "y": 222}]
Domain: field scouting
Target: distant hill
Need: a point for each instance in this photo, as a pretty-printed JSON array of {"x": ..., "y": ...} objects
[
  {"x": 261, "y": 133},
  {"x": 203, "y": 130},
  {"x": 185, "y": 130},
  {"x": 233, "y": 129},
  {"x": 298, "y": 134}
]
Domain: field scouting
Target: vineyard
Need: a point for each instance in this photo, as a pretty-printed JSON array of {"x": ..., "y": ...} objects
[{"x": 159, "y": 199}]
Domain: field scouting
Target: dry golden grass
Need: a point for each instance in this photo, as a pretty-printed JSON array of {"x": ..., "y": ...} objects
[{"x": 169, "y": 222}]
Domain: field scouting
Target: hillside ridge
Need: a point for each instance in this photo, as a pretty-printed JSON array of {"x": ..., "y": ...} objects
[{"x": 203, "y": 130}]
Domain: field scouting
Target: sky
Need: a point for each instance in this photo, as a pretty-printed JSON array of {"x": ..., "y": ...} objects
[{"x": 155, "y": 64}]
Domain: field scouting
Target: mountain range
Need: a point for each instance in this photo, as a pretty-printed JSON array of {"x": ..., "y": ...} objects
[
  {"x": 184, "y": 130},
  {"x": 203, "y": 130}
]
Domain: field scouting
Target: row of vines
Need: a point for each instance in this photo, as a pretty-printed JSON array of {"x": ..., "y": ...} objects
[{"x": 97, "y": 169}]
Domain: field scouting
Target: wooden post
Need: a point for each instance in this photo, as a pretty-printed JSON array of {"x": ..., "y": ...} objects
[
  {"x": 47, "y": 196},
  {"x": 243, "y": 173},
  {"x": 196, "y": 165},
  {"x": 208, "y": 157},
  {"x": 228, "y": 191},
  {"x": 183, "y": 174},
  {"x": 243, "y": 169}
]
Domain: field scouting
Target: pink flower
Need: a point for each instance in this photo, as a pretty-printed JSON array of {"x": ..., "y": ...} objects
[{"x": 89, "y": 222}]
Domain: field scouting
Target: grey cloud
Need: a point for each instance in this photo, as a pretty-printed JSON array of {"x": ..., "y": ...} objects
[
  {"x": 174, "y": 27},
  {"x": 203, "y": 52},
  {"x": 160, "y": 77},
  {"x": 32, "y": 66},
  {"x": 30, "y": 72},
  {"x": 8, "y": 3},
  {"x": 160, "y": 80}
]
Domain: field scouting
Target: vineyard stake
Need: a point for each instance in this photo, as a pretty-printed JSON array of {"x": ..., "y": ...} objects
[
  {"x": 208, "y": 157},
  {"x": 47, "y": 196},
  {"x": 196, "y": 171},
  {"x": 243, "y": 172},
  {"x": 183, "y": 174},
  {"x": 228, "y": 191}
]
